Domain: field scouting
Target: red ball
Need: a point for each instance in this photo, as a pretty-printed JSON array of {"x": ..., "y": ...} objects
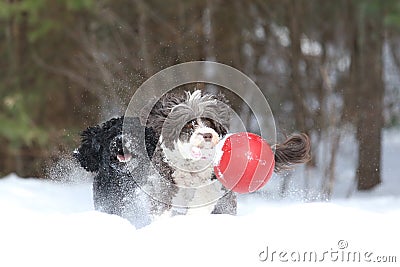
[{"x": 246, "y": 163}]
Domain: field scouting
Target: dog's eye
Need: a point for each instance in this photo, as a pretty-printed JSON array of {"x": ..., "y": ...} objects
[
  {"x": 187, "y": 130},
  {"x": 207, "y": 122},
  {"x": 190, "y": 125}
]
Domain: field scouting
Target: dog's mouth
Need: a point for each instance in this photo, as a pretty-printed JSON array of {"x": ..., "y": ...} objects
[
  {"x": 123, "y": 158},
  {"x": 196, "y": 152},
  {"x": 201, "y": 153}
]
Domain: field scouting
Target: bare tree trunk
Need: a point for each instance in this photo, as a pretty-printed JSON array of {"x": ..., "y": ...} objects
[
  {"x": 17, "y": 44},
  {"x": 208, "y": 24},
  {"x": 284, "y": 186},
  {"x": 370, "y": 90},
  {"x": 294, "y": 13},
  {"x": 333, "y": 133},
  {"x": 294, "y": 83},
  {"x": 144, "y": 52}
]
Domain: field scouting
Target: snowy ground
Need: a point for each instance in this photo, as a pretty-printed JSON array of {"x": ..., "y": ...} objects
[{"x": 53, "y": 224}]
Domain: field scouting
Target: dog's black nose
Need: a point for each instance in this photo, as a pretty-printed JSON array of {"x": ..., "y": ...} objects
[{"x": 207, "y": 137}]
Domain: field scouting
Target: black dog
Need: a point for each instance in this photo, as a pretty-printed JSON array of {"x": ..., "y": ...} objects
[{"x": 115, "y": 186}]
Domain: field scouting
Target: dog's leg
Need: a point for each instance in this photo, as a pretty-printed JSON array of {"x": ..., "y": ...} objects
[
  {"x": 181, "y": 201},
  {"x": 206, "y": 198},
  {"x": 107, "y": 196},
  {"x": 135, "y": 208},
  {"x": 226, "y": 204}
]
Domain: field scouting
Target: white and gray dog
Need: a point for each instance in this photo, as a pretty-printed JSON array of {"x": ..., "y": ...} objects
[{"x": 190, "y": 126}]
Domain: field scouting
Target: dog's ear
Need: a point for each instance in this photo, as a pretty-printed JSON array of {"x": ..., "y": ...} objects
[
  {"x": 221, "y": 97},
  {"x": 160, "y": 111},
  {"x": 222, "y": 130},
  {"x": 224, "y": 114},
  {"x": 89, "y": 152}
]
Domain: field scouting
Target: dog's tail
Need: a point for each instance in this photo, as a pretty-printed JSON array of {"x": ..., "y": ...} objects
[{"x": 294, "y": 150}]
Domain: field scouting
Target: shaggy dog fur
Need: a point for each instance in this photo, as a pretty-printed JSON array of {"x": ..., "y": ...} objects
[
  {"x": 115, "y": 189},
  {"x": 189, "y": 127},
  {"x": 179, "y": 129}
]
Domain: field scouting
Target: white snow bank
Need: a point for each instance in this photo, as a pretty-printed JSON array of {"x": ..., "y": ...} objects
[{"x": 47, "y": 224}]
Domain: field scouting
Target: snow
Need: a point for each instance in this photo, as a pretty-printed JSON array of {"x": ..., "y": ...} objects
[{"x": 46, "y": 223}]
